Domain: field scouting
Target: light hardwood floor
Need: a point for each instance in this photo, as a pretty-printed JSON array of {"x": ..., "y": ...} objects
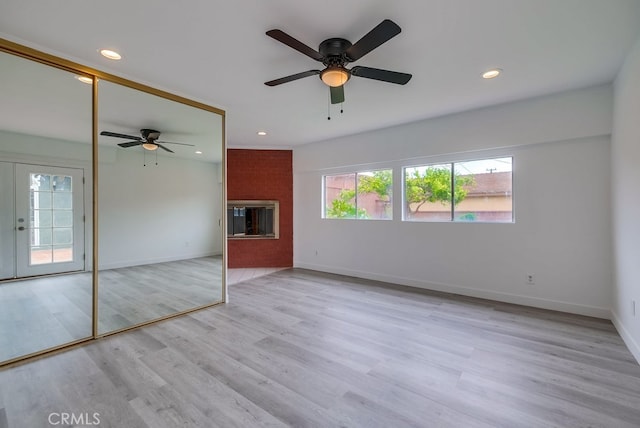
[
  {"x": 44, "y": 312},
  {"x": 237, "y": 275},
  {"x": 301, "y": 348}
]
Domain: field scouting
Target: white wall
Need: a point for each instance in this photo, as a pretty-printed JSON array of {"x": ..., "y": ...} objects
[
  {"x": 151, "y": 214},
  {"x": 561, "y": 150},
  {"x": 625, "y": 158}
]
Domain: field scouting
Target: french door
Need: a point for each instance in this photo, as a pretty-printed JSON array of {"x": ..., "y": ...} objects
[{"x": 49, "y": 220}]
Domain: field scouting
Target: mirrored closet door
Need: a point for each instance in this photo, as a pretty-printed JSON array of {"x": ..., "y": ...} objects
[
  {"x": 81, "y": 148},
  {"x": 160, "y": 207},
  {"x": 46, "y": 292}
]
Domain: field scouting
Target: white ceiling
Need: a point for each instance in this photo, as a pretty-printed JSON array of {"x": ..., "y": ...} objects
[
  {"x": 50, "y": 102},
  {"x": 217, "y": 52}
]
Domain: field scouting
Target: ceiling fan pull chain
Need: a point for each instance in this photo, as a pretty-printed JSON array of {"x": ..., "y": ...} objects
[
  {"x": 156, "y": 157},
  {"x": 144, "y": 157},
  {"x": 329, "y": 106},
  {"x": 341, "y": 110}
]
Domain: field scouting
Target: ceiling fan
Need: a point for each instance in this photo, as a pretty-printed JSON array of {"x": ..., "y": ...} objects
[
  {"x": 148, "y": 140},
  {"x": 336, "y": 53}
]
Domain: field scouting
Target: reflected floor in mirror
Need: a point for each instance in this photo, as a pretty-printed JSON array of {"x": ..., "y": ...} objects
[
  {"x": 137, "y": 294},
  {"x": 41, "y": 313}
]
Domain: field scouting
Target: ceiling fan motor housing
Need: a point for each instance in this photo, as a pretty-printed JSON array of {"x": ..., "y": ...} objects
[
  {"x": 150, "y": 134},
  {"x": 334, "y": 51}
]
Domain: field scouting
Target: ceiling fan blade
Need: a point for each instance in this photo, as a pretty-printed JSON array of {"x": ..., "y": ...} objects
[
  {"x": 292, "y": 78},
  {"x": 283, "y": 37},
  {"x": 130, "y": 144},
  {"x": 115, "y": 134},
  {"x": 337, "y": 94},
  {"x": 382, "y": 33},
  {"x": 383, "y": 75},
  {"x": 163, "y": 147},
  {"x": 169, "y": 142}
]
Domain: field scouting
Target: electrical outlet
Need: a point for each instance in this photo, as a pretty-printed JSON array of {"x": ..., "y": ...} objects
[{"x": 530, "y": 279}]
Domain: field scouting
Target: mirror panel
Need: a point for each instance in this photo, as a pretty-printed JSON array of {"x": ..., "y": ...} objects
[
  {"x": 46, "y": 291},
  {"x": 160, "y": 213}
]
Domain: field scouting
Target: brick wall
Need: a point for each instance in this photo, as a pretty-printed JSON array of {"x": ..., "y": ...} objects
[{"x": 268, "y": 175}]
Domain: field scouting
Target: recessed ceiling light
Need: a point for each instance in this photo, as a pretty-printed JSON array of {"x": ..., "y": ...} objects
[
  {"x": 108, "y": 53},
  {"x": 262, "y": 133},
  {"x": 491, "y": 74},
  {"x": 85, "y": 79},
  {"x": 198, "y": 152}
]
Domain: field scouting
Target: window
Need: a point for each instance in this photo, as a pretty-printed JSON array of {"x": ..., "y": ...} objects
[
  {"x": 361, "y": 195},
  {"x": 479, "y": 190},
  {"x": 253, "y": 219}
]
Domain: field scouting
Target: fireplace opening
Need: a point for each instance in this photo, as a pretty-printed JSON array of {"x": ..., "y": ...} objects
[{"x": 253, "y": 219}]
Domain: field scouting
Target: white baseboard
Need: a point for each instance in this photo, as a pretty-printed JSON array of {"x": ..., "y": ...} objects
[
  {"x": 140, "y": 262},
  {"x": 535, "y": 302},
  {"x": 633, "y": 346}
]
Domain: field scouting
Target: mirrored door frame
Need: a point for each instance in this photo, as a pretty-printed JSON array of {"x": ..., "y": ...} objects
[{"x": 10, "y": 47}]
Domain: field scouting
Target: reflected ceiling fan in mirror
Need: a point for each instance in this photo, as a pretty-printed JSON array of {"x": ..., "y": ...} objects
[
  {"x": 336, "y": 53},
  {"x": 148, "y": 140}
]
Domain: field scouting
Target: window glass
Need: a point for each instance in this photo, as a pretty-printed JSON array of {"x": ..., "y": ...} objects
[
  {"x": 61, "y": 183},
  {"x": 362, "y": 195},
  {"x": 40, "y": 200},
  {"x": 62, "y": 235},
  {"x": 40, "y": 237},
  {"x": 62, "y": 253},
  {"x": 485, "y": 190},
  {"x": 62, "y": 201},
  {"x": 374, "y": 194},
  {"x": 340, "y": 196},
  {"x": 60, "y": 218},
  {"x": 41, "y": 218},
  {"x": 428, "y": 193}
]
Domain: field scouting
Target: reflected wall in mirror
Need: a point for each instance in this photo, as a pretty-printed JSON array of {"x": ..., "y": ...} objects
[
  {"x": 46, "y": 292},
  {"x": 160, "y": 207}
]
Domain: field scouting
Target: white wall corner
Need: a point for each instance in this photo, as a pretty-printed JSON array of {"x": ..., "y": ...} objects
[
  {"x": 628, "y": 339},
  {"x": 625, "y": 157}
]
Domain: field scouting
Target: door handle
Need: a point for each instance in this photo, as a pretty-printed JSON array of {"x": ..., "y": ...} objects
[{"x": 21, "y": 228}]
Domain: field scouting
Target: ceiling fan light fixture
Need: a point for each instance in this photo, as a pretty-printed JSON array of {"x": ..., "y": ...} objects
[
  {"x": 335, "y": 76},
  {"x": 150, "y": 146}
]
